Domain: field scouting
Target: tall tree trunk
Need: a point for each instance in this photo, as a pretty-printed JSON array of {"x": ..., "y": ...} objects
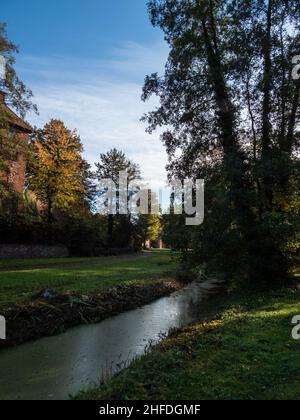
[
  {"x": 253, "y": 128},
  {"x": 49, "y": 212},
  {"x": 287, "y": 142},
  {"x": 233, "y": 156},
  {"x": 50, "y": 220},
  {"x": 255, "y": 144},
  {"x": 283, "y": 87},
  {"x": 267, "y": 161},
  {"x": 110, "y": 230},
  {"x": 292, "y": 120}
]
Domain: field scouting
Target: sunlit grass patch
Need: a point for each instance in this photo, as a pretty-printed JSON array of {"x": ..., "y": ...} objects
[
  {"x": 247, "y": 352},
  {"x": 19, "y": 286}
]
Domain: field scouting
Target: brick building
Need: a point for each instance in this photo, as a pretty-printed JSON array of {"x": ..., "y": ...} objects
[{"x": 16, "y": 175}]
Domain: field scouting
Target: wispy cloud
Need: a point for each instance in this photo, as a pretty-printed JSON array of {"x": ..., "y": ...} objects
[{"x": 101, "y": 99}]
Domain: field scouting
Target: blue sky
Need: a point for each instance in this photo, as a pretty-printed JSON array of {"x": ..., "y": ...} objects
[{"x": 85, "y": 62}]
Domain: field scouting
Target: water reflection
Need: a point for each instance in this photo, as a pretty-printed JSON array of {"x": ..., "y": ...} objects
[{"x": 54, "y": 368}]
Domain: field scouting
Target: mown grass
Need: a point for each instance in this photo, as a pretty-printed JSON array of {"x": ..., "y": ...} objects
[
  {"x": 18, "y": 287},
  {"x": 246, "y": 352}
]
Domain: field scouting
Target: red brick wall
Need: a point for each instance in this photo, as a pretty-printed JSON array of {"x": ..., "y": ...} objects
[
  {"x": 17, "y": 174},
  {"x": 18, "y": 170}
]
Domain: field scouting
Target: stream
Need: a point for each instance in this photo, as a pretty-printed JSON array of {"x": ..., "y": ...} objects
[{"x": 56, "y": 367}]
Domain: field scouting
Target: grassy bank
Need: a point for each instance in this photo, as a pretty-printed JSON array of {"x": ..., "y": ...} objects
[
  {"x": 245, "y": 352},
  {"x": 80, "y": 294},
  {"x": 20, "y": 286}
]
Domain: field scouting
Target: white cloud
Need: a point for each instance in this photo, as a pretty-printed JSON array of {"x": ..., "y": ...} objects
[{"x": 101, "y": 99}]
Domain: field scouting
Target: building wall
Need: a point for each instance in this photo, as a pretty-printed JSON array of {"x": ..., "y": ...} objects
[
  {"x": 18, "y": 168},
  {"x": 158, "y": 244},
  {"x": 17, "y": 172}
]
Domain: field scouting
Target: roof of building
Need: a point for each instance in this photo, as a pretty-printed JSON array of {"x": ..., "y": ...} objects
[{"x": 13, "y": 118}]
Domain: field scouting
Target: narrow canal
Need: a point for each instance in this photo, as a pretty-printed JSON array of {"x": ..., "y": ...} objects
[{"x": 57, "y": 367}]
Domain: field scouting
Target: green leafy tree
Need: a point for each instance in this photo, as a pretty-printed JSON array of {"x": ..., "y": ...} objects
[{"x": 231, "y": 108}]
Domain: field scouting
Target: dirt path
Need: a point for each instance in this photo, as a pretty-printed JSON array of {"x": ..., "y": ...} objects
[{"x": 98, "y": 261}]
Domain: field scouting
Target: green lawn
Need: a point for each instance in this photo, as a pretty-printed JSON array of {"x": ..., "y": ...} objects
[
  {"x": 247, "y": 352},
  {"x": 19, "y": 286}
]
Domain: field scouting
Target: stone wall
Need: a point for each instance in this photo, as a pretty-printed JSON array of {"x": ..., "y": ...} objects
[{"x": 33, "y": 251}]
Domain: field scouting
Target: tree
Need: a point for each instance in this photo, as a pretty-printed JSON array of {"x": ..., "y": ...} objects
[
  {"x": 230, "y": 107},
  {"x": 109, "y": 167},
  {"x": 59, "y": 173},
  {"x": 18, "y": 96}
]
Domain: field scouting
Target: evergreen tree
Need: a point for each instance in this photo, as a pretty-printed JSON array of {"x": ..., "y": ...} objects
[{"x": 109, "y": 167}]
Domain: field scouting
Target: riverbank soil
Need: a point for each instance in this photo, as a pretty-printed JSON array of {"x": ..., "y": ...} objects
[
  {"x": 44, "y": 302},
  {"x": 245, "y": 352}
]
